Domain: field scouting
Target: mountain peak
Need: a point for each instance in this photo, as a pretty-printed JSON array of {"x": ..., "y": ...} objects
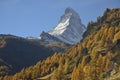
[
  {"x": 70, "y": 13},
  {"x": 69, "y": 29},
  {"x": 69, "y": 10}
]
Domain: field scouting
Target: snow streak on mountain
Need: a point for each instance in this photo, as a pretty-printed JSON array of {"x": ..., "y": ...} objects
[{"x": 69, "y": 29}]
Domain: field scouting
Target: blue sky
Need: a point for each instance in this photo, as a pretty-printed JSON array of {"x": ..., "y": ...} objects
[{"x": 31, "y": 17}]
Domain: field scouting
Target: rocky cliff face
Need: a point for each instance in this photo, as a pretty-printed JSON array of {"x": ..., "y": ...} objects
[
  {"x": 69, "y": 29},
  {"x": 46, "y": 37}
]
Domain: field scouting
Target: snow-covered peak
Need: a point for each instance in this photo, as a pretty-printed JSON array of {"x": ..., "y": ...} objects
[
  {"x": 61, "y": 27},
  {"x": 69, "y": 29}
]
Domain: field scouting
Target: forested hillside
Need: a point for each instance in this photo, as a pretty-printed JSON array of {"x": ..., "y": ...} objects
[
  {"x": 18, "y": 52},
  {"x": 97, "y": 57}
]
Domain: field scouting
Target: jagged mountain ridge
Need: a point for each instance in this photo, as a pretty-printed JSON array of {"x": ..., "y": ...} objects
[
  {"x": 45, "y": 37},
  {"x": 69, "y": 29}
]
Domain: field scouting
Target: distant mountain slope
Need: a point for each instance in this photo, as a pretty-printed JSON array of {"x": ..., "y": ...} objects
[
  {"x": 45, "y": 37},
  {"x": 17, "y": 52}
]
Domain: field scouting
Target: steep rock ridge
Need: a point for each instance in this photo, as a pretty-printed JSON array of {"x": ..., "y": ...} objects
[
  {"x": 69, "y": 29},
  {"x": 48, "y": 38}
]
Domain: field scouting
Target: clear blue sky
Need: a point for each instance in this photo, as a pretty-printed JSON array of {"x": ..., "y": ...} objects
[{"x": 31, "y": 17}]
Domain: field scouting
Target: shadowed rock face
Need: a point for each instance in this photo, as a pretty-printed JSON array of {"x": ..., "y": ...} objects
[
  {"x": 17, "y": 53},
  {"x": 45, "y": 37},
  {"x": 118, "y": 42}
]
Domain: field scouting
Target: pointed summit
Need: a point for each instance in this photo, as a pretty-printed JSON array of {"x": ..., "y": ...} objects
[
  {"x": 69, "y": 29},
  {"x": 69, "y": 10},
  {"x": 69, "y": 13}
]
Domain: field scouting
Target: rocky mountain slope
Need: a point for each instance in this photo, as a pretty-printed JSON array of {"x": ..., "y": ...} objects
[{"x": 69, "y": 29}]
